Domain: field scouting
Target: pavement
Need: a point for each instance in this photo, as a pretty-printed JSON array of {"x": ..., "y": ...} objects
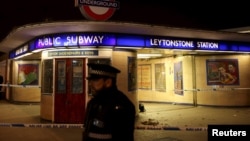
[{"x": 188, "y": 122}]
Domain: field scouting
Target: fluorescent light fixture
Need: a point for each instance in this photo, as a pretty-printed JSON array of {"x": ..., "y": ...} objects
[
  {"x": 244, "y": 31},
  {"x": 87, "y": 46},
  {"x": 60, "y": 47},
  {"x": 148, "y": 55},
  {"x": 37, "y": 50},
  {"x": 72, "y": 47},
  {"x": 216, "y": 51},
  {"x": 243, "y": 52},
  {"x": 206, "y": 50},
  {"x": 128, "y": 47},
  {"x": 26, "y": 54}
]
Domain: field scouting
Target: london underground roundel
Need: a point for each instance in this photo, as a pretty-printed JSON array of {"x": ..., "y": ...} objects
[{"x": 98, "y": 10}]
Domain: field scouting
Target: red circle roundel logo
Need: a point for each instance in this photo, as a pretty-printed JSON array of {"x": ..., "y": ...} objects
[{"x": 98, "y": 10}]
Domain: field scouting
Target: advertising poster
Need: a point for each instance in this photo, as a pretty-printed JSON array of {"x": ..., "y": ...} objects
[
  {"x": 160, "y": 77},
  {"x": 27, "y": 74},
  {"x": 222, "y": 72},
  {"x": 61, "y": 76},
  {"x": 178, "y": 78},
  {"x": 131, "y": 73},
  {"x": 144, "y": 77}
]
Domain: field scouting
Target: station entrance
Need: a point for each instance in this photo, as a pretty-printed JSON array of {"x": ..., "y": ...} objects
[{"x": 70, "y": 94}]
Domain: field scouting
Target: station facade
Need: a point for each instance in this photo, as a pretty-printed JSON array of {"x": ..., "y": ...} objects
[{"x": 47, "y": 64}]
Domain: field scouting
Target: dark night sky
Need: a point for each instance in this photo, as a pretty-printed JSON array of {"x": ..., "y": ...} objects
[{"x": 186, "y": 14}]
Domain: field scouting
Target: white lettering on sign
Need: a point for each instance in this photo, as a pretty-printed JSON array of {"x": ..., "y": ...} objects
[
  {"x": 22, "y": 50},
  {"x": 71, "y": 40},
  {"x": 90, "y": 39},
  {"x": 57, "y": 40},
  {"x": 171, "y": 43},
  {"x": 45, "y": 42},
  {"x": 207, "y": 45},
  {"x": 100, "y": 3}
]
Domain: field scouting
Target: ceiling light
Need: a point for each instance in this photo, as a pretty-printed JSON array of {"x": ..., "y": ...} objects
[{"x": 148, "y": 55}]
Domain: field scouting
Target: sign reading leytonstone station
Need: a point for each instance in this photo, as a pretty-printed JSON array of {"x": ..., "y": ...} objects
[
  {"x": 131, "y": 41},
  {"x": 98, "y": 10}
]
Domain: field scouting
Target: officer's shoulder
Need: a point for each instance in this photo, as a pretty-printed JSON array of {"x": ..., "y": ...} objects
[
  {"x": 122, "y": 99},
  {"x": 121, "y": 95}
]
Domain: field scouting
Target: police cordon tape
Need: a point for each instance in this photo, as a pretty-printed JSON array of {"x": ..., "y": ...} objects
[
  {"x": 140, "y": 127},
  {"x": 152, "y": 127},
  {"x": 24, "y": 86},
  {"x": 37, "y": 125},
  {"x": 176, "y": 90}
]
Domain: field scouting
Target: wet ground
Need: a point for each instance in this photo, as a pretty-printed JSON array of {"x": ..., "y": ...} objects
[{"x": 160, "y": 122}]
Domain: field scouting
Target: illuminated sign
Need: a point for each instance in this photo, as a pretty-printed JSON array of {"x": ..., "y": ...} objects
[
  {"x": 43, "y": 42},
  {"x": 73, "y": 53},
  {"x": 208, "y": 45},
  {"x": 170, "y": 43},
  {"x": 130, "y": 41},
  {"x": 21, "y": 50},
  {"x": 100, "y": 3},
  {"x": 126, "y": 40},
  {"x": 96, "y": 39},
  {"x": 99, "y": 10},
  {"x": 65, "y": 40},
  {"x": 178, "y": 43}
]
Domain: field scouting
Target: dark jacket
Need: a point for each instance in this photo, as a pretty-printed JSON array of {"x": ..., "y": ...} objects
[
  {"x": 110, "y": 116},
  {"x": 1, "y": 81}
]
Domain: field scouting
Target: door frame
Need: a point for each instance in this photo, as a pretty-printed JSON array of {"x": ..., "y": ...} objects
[{"x": 65, "y": 101}]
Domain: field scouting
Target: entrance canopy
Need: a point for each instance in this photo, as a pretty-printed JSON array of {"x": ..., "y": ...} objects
[{"x": 22, "y": 35}]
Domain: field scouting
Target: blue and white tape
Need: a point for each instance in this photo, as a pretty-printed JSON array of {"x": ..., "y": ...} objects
[
  {"x": 140, "y": 127},
  {"x": 41, "y": 125},
  {"x": 143, "y": 127}
]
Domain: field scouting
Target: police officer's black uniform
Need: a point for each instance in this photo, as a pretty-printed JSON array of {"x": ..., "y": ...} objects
[{"x": 110, "y": 116}]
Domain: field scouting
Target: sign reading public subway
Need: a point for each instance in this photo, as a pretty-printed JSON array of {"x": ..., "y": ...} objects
[{"x": 110, "y": 40}]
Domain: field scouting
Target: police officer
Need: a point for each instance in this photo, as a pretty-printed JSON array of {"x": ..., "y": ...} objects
[
  {"x": 110, "y": 115},
  {"x": 1, "y": 82}
]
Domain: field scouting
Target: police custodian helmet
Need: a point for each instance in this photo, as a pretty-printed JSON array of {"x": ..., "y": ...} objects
[{"x": 101, "y": 70}]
